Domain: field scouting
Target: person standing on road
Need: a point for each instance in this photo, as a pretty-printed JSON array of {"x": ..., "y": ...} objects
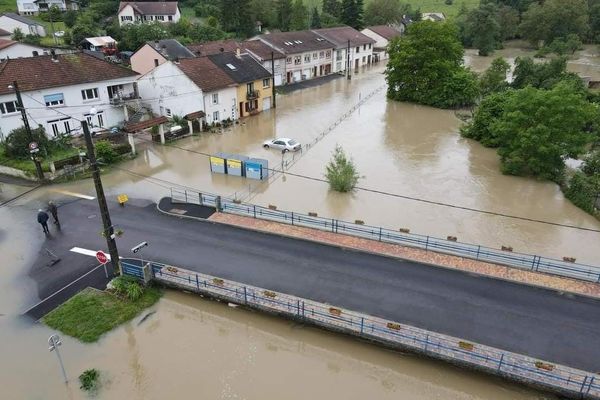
[
  {"x": 54, "y": 211},
  {"x": 42, "y": 218}
]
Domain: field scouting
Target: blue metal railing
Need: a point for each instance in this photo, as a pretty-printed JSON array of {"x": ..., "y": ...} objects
[{"x": 513, "y": 365}]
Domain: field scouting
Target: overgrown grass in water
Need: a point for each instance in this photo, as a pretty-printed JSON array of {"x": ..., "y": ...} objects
[{"x": 91, "y": 313}]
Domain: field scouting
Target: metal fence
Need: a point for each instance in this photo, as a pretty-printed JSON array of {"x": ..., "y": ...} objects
[
  {"x": 514, "y": 366},
  {"x": 519, "y": 260}
]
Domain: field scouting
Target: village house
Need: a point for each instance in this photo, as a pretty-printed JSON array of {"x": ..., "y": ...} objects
[
  {"x": 215, "y": 47},
  {"x": 103, "y": 44},
  {"x": 11, "y": 21},
  {"x": 267, "y": 56},
  {"x": 153, "y": 54},
  {"x": 147, "y": 11},
  {"x": 13, "y": 49},
  {"x": 434, "y": 17},
  {"x": 308, "y": 55},
  {"x": 255, "y": 89},
  {"x": 34, "y": 7},
  {"x": 190, "y": 87},
  {"x": 382, "y": 34},
  {"x": 59, "y": 90},
  {"x": 345, "y": 37}
]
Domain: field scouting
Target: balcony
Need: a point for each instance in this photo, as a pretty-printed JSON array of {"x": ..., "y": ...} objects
[
  {"x": 252, "y": 95},
  {"x": 120, "y": 99}
]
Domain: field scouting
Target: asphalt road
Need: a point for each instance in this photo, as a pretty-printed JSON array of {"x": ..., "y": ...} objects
[{"x": 560, "y": 328}]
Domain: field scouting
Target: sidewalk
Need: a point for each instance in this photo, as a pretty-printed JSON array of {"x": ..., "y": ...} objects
[
  {"x": 454, "y": 262},
  {"x": 292, "y": 87}
]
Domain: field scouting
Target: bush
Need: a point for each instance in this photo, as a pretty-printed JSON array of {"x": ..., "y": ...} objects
[
  {"x": 129, "y": 287},
  {"x": 134, "y": 291},
  {"x": 582, "y": 190},
  {"x": 18, "y": 140},
  {"x": 591, "y": 164},
  {"x": 70, "y": 17},
  {"x": 341, "y": 172},
  {"x": 89, "y": 380},
  {"x": 106, "y": 152}
]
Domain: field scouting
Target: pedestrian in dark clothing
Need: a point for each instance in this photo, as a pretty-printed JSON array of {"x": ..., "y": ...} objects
[
  {"x": 42, "y": 218},
  {"x": 54, "y": 211}
]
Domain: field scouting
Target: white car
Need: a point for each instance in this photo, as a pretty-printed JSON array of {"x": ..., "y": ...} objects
[
  {"x": 59, "y": 33},
  {"x": 283, "y": 144}
]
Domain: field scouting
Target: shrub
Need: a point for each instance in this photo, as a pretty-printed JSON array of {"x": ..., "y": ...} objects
[
  {"x": 134, "y": 291},
  {"x": 18, "y": 140},
  {"x": 341, "y": 172},
  {"x": 583, "y": 190},
  {"x": 89, "y": 380},
  {"x": 106, "y": 152},
  {"x": 126, "y": 286}
]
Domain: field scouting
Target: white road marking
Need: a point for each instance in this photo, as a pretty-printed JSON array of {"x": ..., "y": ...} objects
[
  {"x": 81, "y": 196},
  {"x": 86, "y": 252}
]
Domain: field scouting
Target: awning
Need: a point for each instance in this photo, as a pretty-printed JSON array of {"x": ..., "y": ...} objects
[
  {"x": 138, "y": 126},
  {"x": 195, "y": 115}
]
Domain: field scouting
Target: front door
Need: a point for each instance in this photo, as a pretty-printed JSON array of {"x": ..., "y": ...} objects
[
  {"x": 356, "y": 63},
  {"x": 289, "y": 77}
]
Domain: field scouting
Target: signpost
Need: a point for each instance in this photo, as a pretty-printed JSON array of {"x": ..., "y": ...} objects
[
  {"x": 139, "y": 247},
  {"x": 102, "y": 259},
  {"x": 54, "y": 342},
  {"x": 33, "y": 147}
]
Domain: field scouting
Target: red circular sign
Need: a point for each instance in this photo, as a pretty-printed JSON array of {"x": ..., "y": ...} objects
[{"x": 101, "y": 257}]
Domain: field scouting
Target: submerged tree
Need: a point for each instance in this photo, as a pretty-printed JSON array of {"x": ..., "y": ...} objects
[{"x": 341, "y": 172}]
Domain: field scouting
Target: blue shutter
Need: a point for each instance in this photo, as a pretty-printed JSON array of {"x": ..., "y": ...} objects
[{"x": 54, "y": 97}]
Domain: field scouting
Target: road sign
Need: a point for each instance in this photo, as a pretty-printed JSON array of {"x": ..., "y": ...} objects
[
  {"x": 33, "y": 147},
  {"x": 101, "y": 257}
]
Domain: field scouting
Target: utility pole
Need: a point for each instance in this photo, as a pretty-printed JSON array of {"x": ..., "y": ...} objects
[
  {"x": 348, "y": 66},
  {"x": 38, "y": 166},
  {"x": 108, "y": 231},
  {"x": 273, "y": 77}
]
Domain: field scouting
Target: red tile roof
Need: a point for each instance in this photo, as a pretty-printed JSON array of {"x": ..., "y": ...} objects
[
  {"x": 262, "y": 50},
  {"x": 138, "y": 126},
  {"x": 215, "y": 47},
  {"x": 296, "y": 42},
  {"x": 205, "y": 74},
  {"x": 385, "y": 31},
  {"x": 41, "y": 72},
  {"x": 341, "y": 34},
  {"x": 151, "y": 7},
  {"x": 4, "y": 43}
]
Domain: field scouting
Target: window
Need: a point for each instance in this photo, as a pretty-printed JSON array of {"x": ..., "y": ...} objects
[
  {"x": 54, "y": 100},
  {"x": 315, "y": 56},
  {"x": 100, "y": 120},
  {"x": 156, "y": 62},
  {"x": 328, "y": 54},
  {"x": 288, "y": 60},
  {"x": 54, "y": 127},
  {"x": 9, "y": 107},
  {"x": 215, "y": 98},
  {"x": 306, "y": 58},
  {"x": 170, "y": 18},
  {"x": 89, "y": 94},
  {"x": 88, "y": 118},
  {"x": 369, "y": 45},
  {"x": 160, "y": 17},
  {"x": 250, "y": 88},
  {"x": 67, "y": 126},
  {"x": 168, "y": 112},
  {"x": 322, "y": 54},
  {"x": 364, "y": 59},
  {"x": 358, "y": 49},
  {"x": 364, "y": 47},
  {"x": 297, "y": 60},
  {"x": 216, "y": 116},
  {"x": 266, "y": 83},
  {"x": 126, "y": 18},
  {"x": 338, "y": 55}
]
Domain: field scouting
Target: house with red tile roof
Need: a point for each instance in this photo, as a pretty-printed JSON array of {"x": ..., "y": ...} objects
[
  {"x": 60, "y": 90},
  {"x": 148, "y": 11},
  {"x": 382, "y": 34},
  {"x": 351, "y": 47}
]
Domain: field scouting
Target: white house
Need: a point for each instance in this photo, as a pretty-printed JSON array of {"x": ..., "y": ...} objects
[
  {"x": 382, "y": 34},
  {"x": 13, "y": 49},
  {"x": 34, "y": 7},
  {"x": 11, "y": 21},
  {"x": 344, "y": 38},
  {"x": 263, "y": 53},
  {"x": 60, "y": 90},
  {"x": 188, "y": 87},
  {"x": 307, "y": 55},
  {"x": 147, "y": 11},
  {"x": 434, "y": 17}
]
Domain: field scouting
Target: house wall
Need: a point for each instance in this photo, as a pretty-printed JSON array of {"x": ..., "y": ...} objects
[
  {"x": 305, "y": 69},
  {"x": 9, "y": 24},
  {"x": 380, "y": 43},
  {"x": 142, "y": 61},
  {"x": 19, "y": 50},
  {"x": 279, "y": 69},
  {"x": 265, "y": 93},
  {"x": 128, "y": 12},
  {"x": 167, "y": 91},
  {"x": 28, "y": 7},
  {"x": 133, "y": 17},
  {"x": 227, "y": 105},
  {"x": 74, "y": 108}
]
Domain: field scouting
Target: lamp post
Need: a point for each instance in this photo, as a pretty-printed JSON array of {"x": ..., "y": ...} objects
[{"x": 38, "y": 166}]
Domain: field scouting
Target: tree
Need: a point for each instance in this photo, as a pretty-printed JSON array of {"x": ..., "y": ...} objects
[
  {"x": 299, "y": 17},
  {"x": 315, "y": 19},
  {"x": 540, "y": 75},
  {"x": 383, "y": 12},
  {"x": 54, "y": 14},
  {"x": 17, "y": 142},
  {"x": 333, "y": 8},
  {"x": 235, "y": 17},
  {"x": 284, "y": 12},
  {"x": 489, "y": 110},
  {"x": 425, "y": 66},
  {"x": 360, "y": 11},
  {"x": 85, "y": 26},
  {"x": 494, "y": 78},
  {"x": 349, "y": 13},
  {"x": 508, "y": 20},
  {"x": 341, "y": 172},
  {"x": 483, "y": 29},
  {"x": 135, "y": 35},
  {"x": 70, "y": 18},
  {"x": 17, "y": 35},
  {"x": 31, "y": 39}
]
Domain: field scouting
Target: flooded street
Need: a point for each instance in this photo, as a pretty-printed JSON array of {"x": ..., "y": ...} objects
[{"x": 194, "y": 348}]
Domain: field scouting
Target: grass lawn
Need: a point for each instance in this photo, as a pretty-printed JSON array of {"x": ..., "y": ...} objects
[
  {"x": 8, "y": 6},
  {"x": 28, "y": 166},
  {"x": 91, "y": 313},
  {"x": 441, "y": 6}
]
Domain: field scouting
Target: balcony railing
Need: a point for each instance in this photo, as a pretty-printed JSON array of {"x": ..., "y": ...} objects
[
  {"x": 118, "y": 100},
  {"x": 252, "y": 95}
]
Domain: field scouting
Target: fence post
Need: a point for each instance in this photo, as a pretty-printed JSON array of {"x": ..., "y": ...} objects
[
  {"x": 298, "y": 306},
  {"x": 533, "y": 263},
  {"x": 186, "y": 199},
  {"x": 362, "y": 324},
  {"x": 380, "y": 233},
  {"x": 427, "y": 243},
  {"x": 200, "y": 198},
  {"x": 583, "y": 384},
  {"x": 197, "y": 282},
  {"x": 590, "y": 385},
  {"x": 426, "y": 341},
  {"x": 478, "y": 250},
  {"x": 333, "y": 229},
  {"x": 255, "y": 211},
  {"x": 245, "y": 296},
  {"x": 292, "y": 218},
  {"x": 500, "y": 363}
]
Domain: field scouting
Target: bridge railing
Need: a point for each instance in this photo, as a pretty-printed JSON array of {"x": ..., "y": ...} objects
[
  {"x": 515, "y": 366},
  {"x": 477, "y": 252}
]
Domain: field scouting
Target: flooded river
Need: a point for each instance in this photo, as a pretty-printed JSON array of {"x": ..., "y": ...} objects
[{"x": 191, "y": 347}]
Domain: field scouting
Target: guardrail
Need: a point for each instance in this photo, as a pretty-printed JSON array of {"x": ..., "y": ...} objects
[
  {"x": 558, "y": 378},
  {"x": 429, "y": 243}
]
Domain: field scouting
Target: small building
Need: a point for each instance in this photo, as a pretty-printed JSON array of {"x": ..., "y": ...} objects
[
  {"x": 254, "y": 86},
  {"x": 382, "y": 34},
  {"x": 60, "y": 90},
  {"x": 344, "y": 38},
  {"x": 34, "y": 7},
  {"x": 148, "y": 11},
  {"x": 13, "y": 49},
  {"x": 104, "y": 44},
  {"x": 434, "y": 17},
  {"x": 11, "y": 21},
  {"x": 267, "y": 56},
  {"x": 153, "y": 54},
  {"x": 308, "y": 55}
]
